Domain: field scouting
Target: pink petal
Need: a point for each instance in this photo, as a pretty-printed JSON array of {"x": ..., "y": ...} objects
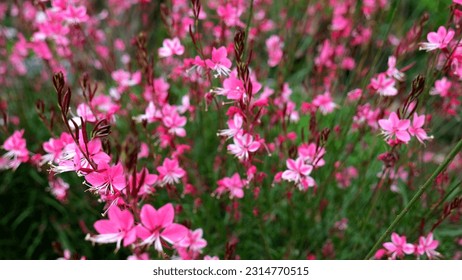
[
  {"x": 408, "y": 248},
  {"x": 130, "y": 237},
  {"x": 174, "y": 233},
  {"x": 403, "y": 136},
  {"x": 403, "y": 124},
  {"x": 95, "y": 179},
  {"x": 105, "y": 226},
  {"x": 254, "y": 146},
  {"x": 418, "y": 121},
  {"x": 389, "y": 246},
  {"x": 149, "y": 217},
  {"x": 289, "y": 175},
  {"x": 166, "y": 215},
  {"x": 433, "y": 37},
  {"x": 385, "y": 125},
  {"x": 119, "y": 182},
  {"x": 291, "y": 164},
  {"x": 395, "y": 238},
  {"x": 142, "y": 232}
]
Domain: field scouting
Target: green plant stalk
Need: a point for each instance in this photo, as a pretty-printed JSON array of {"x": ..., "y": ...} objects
[
  {"x": 249, "y": 21},
  {"x": 414, "y": 199}
]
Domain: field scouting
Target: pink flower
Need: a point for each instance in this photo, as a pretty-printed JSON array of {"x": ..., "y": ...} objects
[
  {"x": 392, "y": 71},
  {"x": 398, "y": 247},
  {"x": 170, "y": 171},
  {"x": 107, "y": 179},
  {"x": 383, "y": 85},
  {"x": 233, "y": 185},
  {"x": 171, "y": 47},
  {"x": 84, "y": 111},
  {"x": 243, "y": 145},
  {"x": 438, "y": 40},
  {"x": 442, "y": 87},
  {"x": 415, "y": 129},
  {"x": 125, "y": 79},
  {"x": 219, "y": 62},
  {"x": 173, "y": 121},
  {"x": 54, "y": 148},
  {"x": 17, "y": 152},
  {"x": 146, "y": 186},
  {"x": 274, "y": 46},
  {"x": 58, "y": 188},
  {"x": 355, "y": 94},
  {"x": 75, "y": 14},
  {"x": 230, "y": 14},
  {"x": 157, "y": 225},
  {"x": 150, "y": 115},
  {"x": 193, "y": 240},
  {"x": 233, "y": 88},
  {"x": 235, "y": 126},
  {"x": 394, "y": 127},
  {"x": 311, "y": 154},
  {"x": 119, "y": 226},
  {"x": 298, "y": 172},
  {"x": 427, "y": 246},
  {"x": 324, "y": 103}
]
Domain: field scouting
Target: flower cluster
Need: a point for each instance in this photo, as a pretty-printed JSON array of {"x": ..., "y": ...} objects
[{"x": 399, "y": 248}]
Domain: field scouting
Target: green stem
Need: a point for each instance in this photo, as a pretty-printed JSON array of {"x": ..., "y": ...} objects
[
  {"x": 414, "y": 199},
  {"x": 249, "y": 20}
]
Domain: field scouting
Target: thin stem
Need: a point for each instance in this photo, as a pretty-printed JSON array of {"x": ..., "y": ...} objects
[
  {"x": 249, "y": 20},
  {"x": 414, "y": 199}
]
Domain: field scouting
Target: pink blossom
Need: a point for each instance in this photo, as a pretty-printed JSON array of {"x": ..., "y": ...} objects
[
  {"x": 157, "y": 225},
  {"x": 84, "y": 111},
  {"x": 366, "y": 115},
  {"x": 231, "y": 14},
  {"x": 427, "y": 246},
  {"x": 325, "y": 103},
  {"x": 298, "y": 172},
  {"x": 234, "y": 185},
  {"x": 398, "y": 247},
  {"x": 55, "y": 147},
  {"x": 392, "y": 71},
  {"x": 415, "y": 129},
  {"x": 311, "y": 154},
  {"x": 107, "y": 179},
  {"x": 234, "y": 126},
  {"x": 355, "y": 94},
  {"x": 146, "y": 186},
  {"x": 119, "y": 226},
  {"x": 394, "y": 127},
  {"x": 151, "y": 114},
  {"x": 17, "y": 152},
  {"x": 274, "y": 46},
  {"x": 233, "y": 88},
  {"x": 173, "y": 121},
  {"x": 170, "y": 171},
  {"x": 243, "y": 145},
  {"x": 438, "y": 40},
  {"x": 193, "y": 240},
  {"x": 72, "y": 159},
  {"x": 383, "y": 85},
  {"x": 75, "y": 14},
  {"x": 58, "y": 188},
  {"x": 126, "y": 79},
  {"x": 219, "y": 62},
  {"x": 442, "y": 87},
  {"x": 171, "y": 47}
]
